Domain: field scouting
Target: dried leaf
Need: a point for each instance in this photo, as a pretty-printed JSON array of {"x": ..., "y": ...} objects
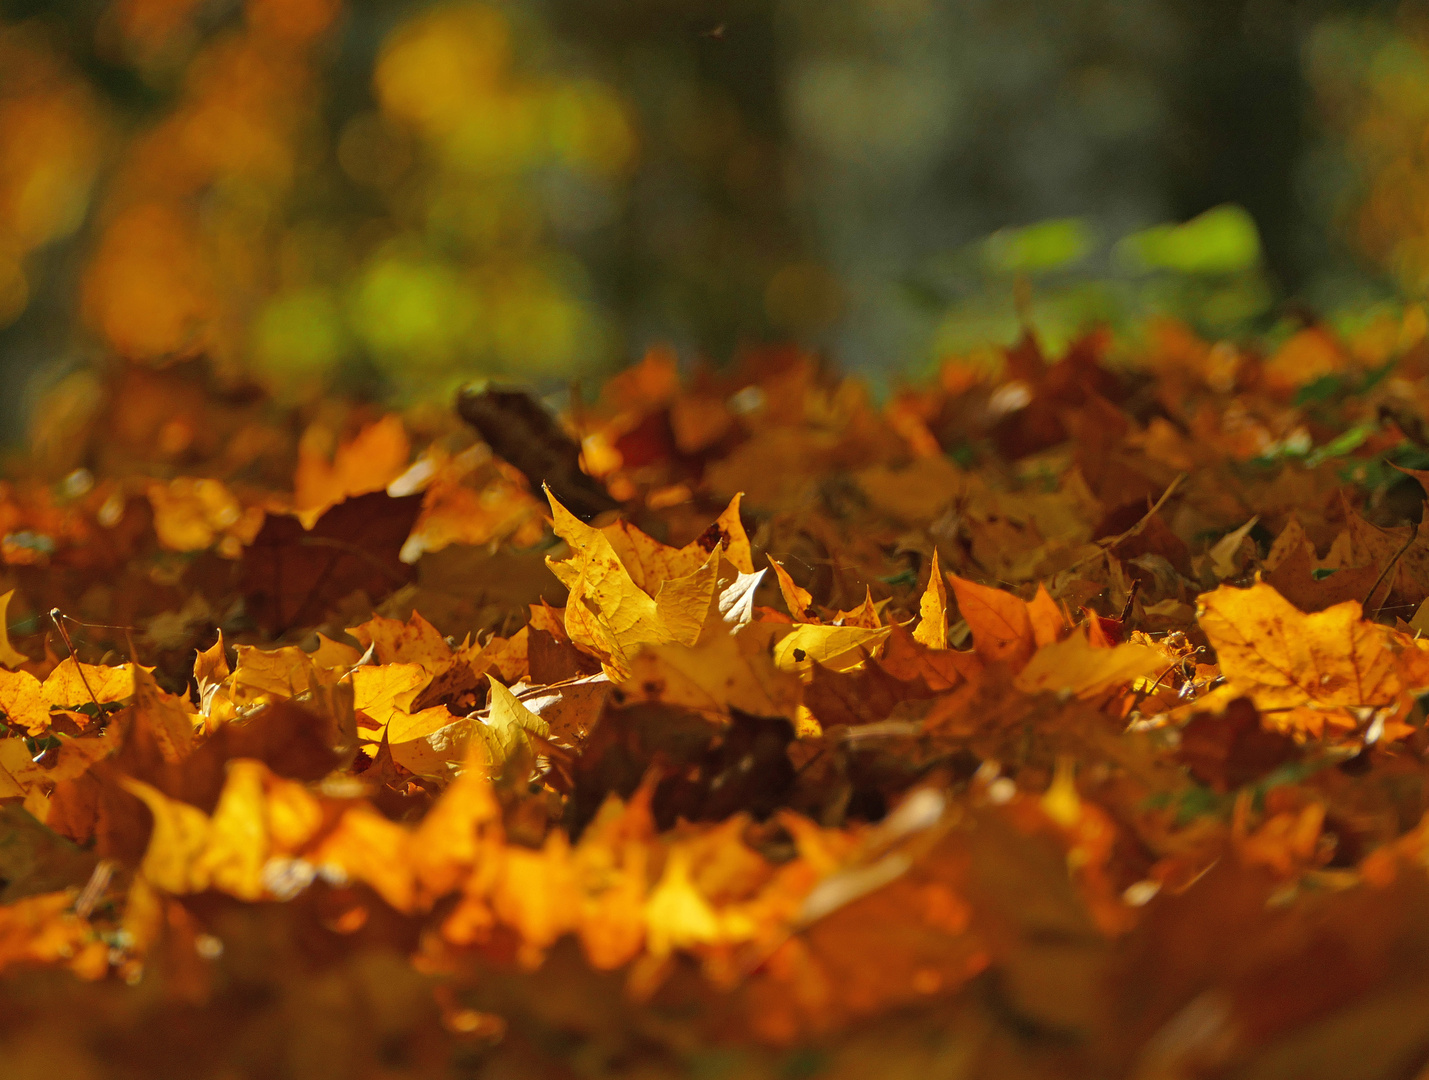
[
  {"x": 508, "y": 727},
  {"x": 290, "y": 575},
  {"x": 932, "y": 628},
  {"x": 721, "y": 672},
  {"x": 1075, "y": 666},
  {"x": 518, "y": 428},
  {"x": 1301, "y": 671},
  {"x": 796, "y": 599},
  {"x": 376, "y": 456},
  {"x": 1000, "y": 623}
]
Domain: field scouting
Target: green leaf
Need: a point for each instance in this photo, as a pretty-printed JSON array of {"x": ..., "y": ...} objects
[
  {"x": 1340, "y": 445},
  {"x": 1223, "y": 240},
  {"x": 1039, "y": 248}
]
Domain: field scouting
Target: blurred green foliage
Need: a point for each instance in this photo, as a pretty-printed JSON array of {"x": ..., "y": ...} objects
[
  {"x": 1061, "y": 277},
  {"x": 394, "y": 199},
  {"x": 1220, "y": 241}
]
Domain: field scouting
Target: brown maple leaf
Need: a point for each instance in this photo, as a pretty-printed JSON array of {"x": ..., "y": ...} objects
[{"x": 290, "y": 576}]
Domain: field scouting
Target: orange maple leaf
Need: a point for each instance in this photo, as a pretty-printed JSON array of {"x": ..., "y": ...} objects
[
  {"x": 370, "y": 461},
  {"x": 1301, "y": 671}
]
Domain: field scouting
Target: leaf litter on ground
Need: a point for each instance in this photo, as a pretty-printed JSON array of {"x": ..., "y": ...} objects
[{"x": 1075, "y": 711}]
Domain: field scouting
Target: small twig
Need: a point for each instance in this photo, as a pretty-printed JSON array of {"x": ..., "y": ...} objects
[
  {"x": 878, "y": 729},
  {"x": 91, "y": 625},
  {"x": 94, "y": 888},
  {"x": 128, "y": 631},
  {"x": 1393, "y": 562},
  {"x": 1106, "y": 545},
  {"x": 1126, "y": 609},
  {"x": 55, "y": 616},
  {"x": 1152, "y": 689}
]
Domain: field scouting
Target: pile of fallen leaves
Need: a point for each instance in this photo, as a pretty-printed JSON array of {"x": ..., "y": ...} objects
[{"x": 1063, "y": 721}]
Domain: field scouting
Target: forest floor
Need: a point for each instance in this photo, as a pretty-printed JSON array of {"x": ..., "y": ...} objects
[{"x": 1063, "y": 721}]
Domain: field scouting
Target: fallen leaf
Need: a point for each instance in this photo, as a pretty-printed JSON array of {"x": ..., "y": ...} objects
[
  {"x": 1301, "y": 671},
  {"x": 367, "y": 463},
  {"x": 721, "y": 672},
  {"x": 290, "y": 575},
  {"x": 1000, "y": 623},
  {"x": 1234, "y": 748},
  {"x": 507, "y": 728},
  {"x": 932, "y": 628},
  {"x": 836, "y": 647},
  {"x": 1075, "y": 666},
  {"x": 796, "y": 599},
  {"x": 518, "y": 428},
  {"x": 1223, "y": 551}
]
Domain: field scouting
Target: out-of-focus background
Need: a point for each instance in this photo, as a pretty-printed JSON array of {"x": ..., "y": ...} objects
[{"x": 389, "y": 198}]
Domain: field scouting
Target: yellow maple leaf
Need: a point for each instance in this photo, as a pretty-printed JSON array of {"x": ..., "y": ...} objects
[
  {"x": 932, "y": 628},
  {"x": 609, "y": 613},
  {"x": 421, "y": 725},
  {"x": 433, "y": 743},
  {"x": 415, "y": 641},
  {"x": 22, "y": 775},
  {"x": 536, "y": 894},
  {"x": 27, "y": 702},
  {"x": 1300, "y": 670},
  {"x": 721, "y": 672},
  {"x": 463, "y": 822},
  {"x": 364, "y": 846},
  {"x": 332, "y": 654},
  {"x": 629, "y": 590},
  {"x": 260, "y": 821},
  {"x": 287, "y": 672},
  {"x": 837, "y": 647},
  {"x": 385, "y": 693},
  {"x": 238, "y": 843},
  {"x": 728, "y": 532},
  {"x": 180, "y": 837},
  {"x": 22, "y": 703},
  {"x": 72, "y": 683},
  {"x": 1077, "y": 667},
  {"x": 611, "y": 865},
  {"x": 686, "y": 603},
  {"x": 865, "y": 615},
  {"x": 648, "y": 561},
  {"x": 171, "y": 719},
  {"x": 294, "y": 814},
  {"x": 677, "y": 914},
  {"x": 211, "y": 665},
  {"x": 508, "y": 727}
]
